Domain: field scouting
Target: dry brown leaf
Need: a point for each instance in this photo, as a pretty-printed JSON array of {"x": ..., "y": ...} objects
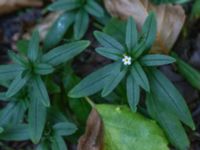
[
  {"x": 170, "y": 19},
  {"x": 93, "y": 137},
  {"x": 7, "y": 6}
]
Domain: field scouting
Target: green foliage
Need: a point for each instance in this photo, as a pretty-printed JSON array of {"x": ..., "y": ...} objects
[
  {"x": 168, "y": 122},
  {"x": 76, "y": 13},
  {"x": 196, "y": 9},
  {"x": 134, "y": 49},
  {"x": 125, "y": 130},
  {"x": 188, "y": 72},
  {"x": 27, "y": 91},
  {"x": 39, "y": 107},
  {"x": 169, "y": 1},
  {"x": 133, "y": 66}
]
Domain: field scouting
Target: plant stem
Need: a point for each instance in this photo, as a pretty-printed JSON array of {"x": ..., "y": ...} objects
[{"x": 90, "y": 102}]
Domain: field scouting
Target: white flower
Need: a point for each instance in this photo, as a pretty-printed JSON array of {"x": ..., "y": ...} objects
[{"x": 126, "y": 60}]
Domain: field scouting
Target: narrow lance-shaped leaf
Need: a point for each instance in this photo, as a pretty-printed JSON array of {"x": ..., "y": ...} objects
[
  {"x": 149, "y": 30},
  {"x": 81, "y": 24},
  {"x": 64, "y": 128},
  {"x": 17, "y": 58},
  {"x": 18, "y": 132},
  {"x": 133, "y": 93},
  {"x": 148, "y": 35},
  {"x": 17, "y": 84},
  {"x": 8, "y": 72},
  {"x": 58, "y": 30},
  {"x": 110, "y": 53},
  {"x": 43, "y": 69},
  {"x": 139, "y": 76},
  {"x": 188, "y": 72},
  {"x": 94, "y": 8},
  {"x": 112, "y": 81},
  {"x": 168, "y": 121},
  {"x": 7, "y": 112},
  {"x": 12, "y": 113},
  {"x": 33, "y": 47},
  {"x": 92, "y": 83},
  {"x": 40, "y": 90},
  {"x": 131, "y": 34},
  {"x": 64, "y": 5},
  {"x": 156, "y": 60},
  {"x": 65, "y": 52},
  {"x": 36, "y": 115},
  {"x": 58, "y": 143},
  {"x": 107, "y": 41},
  {"x": 170, "y": 97}
]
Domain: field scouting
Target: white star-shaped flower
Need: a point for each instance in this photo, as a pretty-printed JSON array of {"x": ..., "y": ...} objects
[{"x": 126, "y": 60}]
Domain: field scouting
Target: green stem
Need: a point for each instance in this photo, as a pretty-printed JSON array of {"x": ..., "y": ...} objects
[{"x": 90, "y": 102}]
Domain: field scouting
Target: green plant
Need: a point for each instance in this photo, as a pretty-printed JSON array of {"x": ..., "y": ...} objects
[
  {"x": 38, "y": 106},
  {"x": 188, "y": 72},
  {"x": 76, "y": 12},
  {"x": 27, "y": 90},
  {"x": 135, "y": 69},
  {"x": 131, "y": 62}
]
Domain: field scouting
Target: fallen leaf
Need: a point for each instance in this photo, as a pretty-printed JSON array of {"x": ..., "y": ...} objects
[
  {"x": 125, "y": 130},
  {"x": 93, "y": 137},
  {"x": 121, "y": 129},
  {"x": 7, "y": 6},
  {"x": 170, "y": 19}
]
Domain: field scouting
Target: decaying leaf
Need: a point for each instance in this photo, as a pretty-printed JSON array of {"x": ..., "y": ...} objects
[
  {"x": 7, "y": 6},
  {"x": 170, "y": 19},
  {"x": 93, "y": 137},
  {"x": 122, "y": 130}
]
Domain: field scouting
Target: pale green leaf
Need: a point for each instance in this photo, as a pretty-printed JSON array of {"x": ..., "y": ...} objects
[{"x": 126, "y": 130}]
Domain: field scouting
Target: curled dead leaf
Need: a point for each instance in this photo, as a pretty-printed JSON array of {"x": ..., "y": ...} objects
[
  {"x": 170, "y": 19},
  {"x": 93, "y": 137},
  {"x": 7, "y": 6}
]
